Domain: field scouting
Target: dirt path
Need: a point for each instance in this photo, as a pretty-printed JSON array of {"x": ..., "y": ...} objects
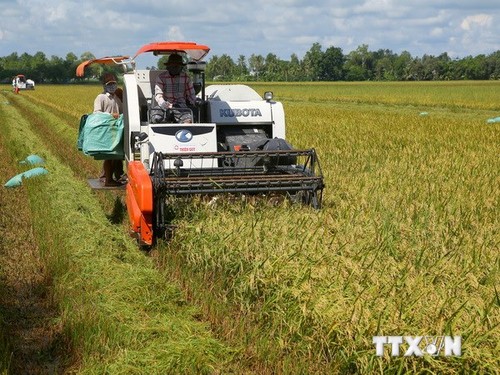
[{"x": 29, "y": 317}]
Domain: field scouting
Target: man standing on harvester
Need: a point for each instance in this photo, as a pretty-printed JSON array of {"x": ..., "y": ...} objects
[
  {"x": 108, "y": 102},
  {"x": 174, "y": 91}
]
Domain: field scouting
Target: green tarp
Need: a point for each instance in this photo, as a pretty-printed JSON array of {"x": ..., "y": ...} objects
[{"x": 101, "y": 136}]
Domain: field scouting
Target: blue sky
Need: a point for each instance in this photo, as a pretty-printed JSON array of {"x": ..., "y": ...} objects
[{"x": 56, "y": 27}]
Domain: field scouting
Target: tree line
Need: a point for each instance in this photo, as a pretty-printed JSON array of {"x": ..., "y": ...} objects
[{"x": 317, "y": 64}]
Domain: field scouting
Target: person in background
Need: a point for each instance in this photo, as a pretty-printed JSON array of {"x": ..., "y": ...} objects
[
  {"x": 15, "y": 86},
  {"x": 174, "y": 91},
  {"x": 108, "y": 102}
]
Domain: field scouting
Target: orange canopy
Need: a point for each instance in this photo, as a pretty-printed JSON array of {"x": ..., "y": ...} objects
[
  {"x": 195, "y": 51},
  {"x": 80, "y": 70}
]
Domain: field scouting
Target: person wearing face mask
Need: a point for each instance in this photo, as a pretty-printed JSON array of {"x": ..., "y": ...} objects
[
  {"x": 174, "y": 91},
  {"x": 108, "y": 102}
]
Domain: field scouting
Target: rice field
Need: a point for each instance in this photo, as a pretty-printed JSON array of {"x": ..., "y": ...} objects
[{"x": 406, "y": 244}]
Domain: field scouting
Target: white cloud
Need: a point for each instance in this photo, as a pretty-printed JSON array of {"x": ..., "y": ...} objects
[
  {"x": 437, "y": 31},
  {"x": 175, "y": 33},
  {"x": 374, "y": 6},
  {"x": 243, "y": 28},
  {"x": 57, "y": 13},
  {"x": 478, "y": 20}
]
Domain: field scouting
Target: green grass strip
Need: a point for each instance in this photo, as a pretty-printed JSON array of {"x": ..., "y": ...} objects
[{"x": 121, "y": 314}]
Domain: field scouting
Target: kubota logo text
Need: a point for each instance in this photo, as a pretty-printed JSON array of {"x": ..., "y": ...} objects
[{"x": 245, "y": 112}]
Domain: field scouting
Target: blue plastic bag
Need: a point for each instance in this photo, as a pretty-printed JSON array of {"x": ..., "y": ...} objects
[
  {"x": 32, "y": 159},
  {"x": 493, "y": 120},
  {"x": 38, "y": 171},
  {"x": 17, "y": 180}
]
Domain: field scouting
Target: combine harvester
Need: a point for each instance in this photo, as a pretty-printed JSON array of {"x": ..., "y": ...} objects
[
  {"x": 20, "y": 82},
  {"x": 236, "y": 144}
]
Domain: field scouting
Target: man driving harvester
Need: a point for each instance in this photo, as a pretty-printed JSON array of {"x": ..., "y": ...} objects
[{"x": 174, "y": 91}]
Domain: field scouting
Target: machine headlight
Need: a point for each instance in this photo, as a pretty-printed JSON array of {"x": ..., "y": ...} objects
[{"x": 268, "y": 95}]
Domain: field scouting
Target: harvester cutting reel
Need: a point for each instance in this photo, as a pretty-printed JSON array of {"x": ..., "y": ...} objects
[{"x": 294, "y": 173}]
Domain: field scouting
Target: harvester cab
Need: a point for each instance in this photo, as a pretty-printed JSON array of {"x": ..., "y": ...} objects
[{"x": 235, "y": 145}]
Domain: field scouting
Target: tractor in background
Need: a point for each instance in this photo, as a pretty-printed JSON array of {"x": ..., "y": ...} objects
[{"x": 20, "y": 82}]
